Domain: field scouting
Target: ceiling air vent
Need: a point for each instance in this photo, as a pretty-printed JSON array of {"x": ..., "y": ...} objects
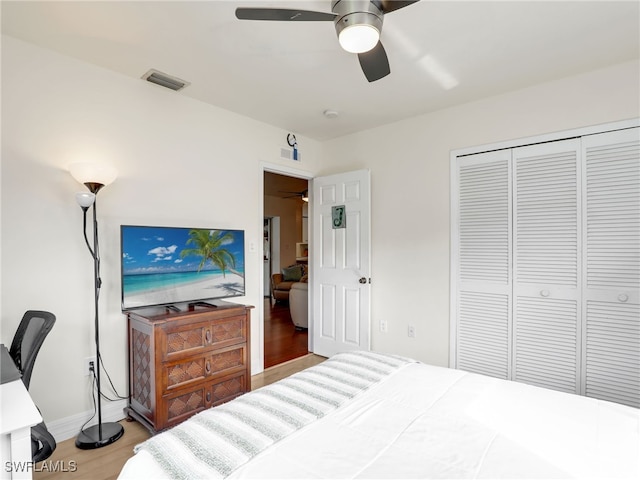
[{"x": 164, "y": 80}]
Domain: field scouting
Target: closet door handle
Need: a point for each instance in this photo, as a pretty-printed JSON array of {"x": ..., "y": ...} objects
[
  {"x": 623, "y": 297},
  {"x": 544, "y": 293}
]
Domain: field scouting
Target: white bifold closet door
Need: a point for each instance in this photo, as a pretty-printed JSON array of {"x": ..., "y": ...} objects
[
  {"x": 546, "y": 265},
  {"x": 546, "y": 310},
  {"x": 484, "y": 260},
  {"x": 611, "y": 274}
]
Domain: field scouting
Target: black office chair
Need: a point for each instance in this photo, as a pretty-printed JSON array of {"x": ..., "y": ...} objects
[{"x": 33, "y": 329}]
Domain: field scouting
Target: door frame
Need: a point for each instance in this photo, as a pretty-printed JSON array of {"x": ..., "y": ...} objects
[{"x": 290, "y": 172}]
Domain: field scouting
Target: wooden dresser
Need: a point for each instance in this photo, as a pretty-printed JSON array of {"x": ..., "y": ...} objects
[{"x": 183, "y": 362}]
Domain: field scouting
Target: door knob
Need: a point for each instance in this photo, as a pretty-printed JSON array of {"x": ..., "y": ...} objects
[
  {"x": 363, "y": 280},
  {"x": 623, "y": 297}
]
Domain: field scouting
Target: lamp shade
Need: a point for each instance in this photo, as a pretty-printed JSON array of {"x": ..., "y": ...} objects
[
  {"x": 359, "y": 38},
  {"x": 85, "y": 199},
  {"x": 93, "y": 173}
]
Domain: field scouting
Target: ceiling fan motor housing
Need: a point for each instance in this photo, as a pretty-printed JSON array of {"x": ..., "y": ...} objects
[{"x": 356, "y": 12}]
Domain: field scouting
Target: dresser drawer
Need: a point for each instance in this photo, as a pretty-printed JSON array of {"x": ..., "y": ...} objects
[
  {"x": 191, "y": 338},
  {"x": 178, "y": 406},
  {"x": 212, "y": 364}
]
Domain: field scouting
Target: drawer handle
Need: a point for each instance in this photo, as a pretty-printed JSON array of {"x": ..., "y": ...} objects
[
  {"x": 207, "y": 336},
  {"x": 544, "y": 293},
  {"x": 623, "y": 297},
  {"x": 208, "y": 397},
  {"x": 207, "y": 366}
]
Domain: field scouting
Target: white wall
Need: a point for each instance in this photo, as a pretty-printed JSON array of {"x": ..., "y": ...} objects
[
  {"x": 409, "y": 163},
  {"x": 180, "y": 163}
]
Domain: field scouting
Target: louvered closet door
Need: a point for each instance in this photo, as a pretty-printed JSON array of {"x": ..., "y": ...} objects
[
  {"x": 546, "y": 335},
  {"x": 612, "y": 266},
  {"x": 482, "y": 270}
]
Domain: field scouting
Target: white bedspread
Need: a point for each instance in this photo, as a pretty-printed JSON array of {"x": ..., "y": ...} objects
[{"x": 432, "y": 422}]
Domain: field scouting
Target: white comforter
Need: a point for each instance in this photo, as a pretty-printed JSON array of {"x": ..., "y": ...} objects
[{"x": 432, "y": 422}]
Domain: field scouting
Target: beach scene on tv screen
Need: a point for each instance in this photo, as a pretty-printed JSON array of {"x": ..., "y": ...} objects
[{"x": 166, "y": 265}]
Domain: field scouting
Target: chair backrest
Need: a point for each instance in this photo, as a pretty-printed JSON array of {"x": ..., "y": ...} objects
[{"x": 33, "y": 329}]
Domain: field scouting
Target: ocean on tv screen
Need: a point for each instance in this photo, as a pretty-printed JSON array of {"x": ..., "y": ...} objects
[{"x": 162, "y": 265}]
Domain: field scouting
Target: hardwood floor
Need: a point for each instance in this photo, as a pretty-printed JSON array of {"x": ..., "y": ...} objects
[
  {"x": 282, "y": 342},
  {"x": 69, "y": 462}
]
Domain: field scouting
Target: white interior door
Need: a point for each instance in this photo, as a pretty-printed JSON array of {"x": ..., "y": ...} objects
[{"x": 340, "y": 273}]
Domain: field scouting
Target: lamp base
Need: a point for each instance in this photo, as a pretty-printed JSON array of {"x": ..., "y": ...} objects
[{"x": 90, "y": 438}]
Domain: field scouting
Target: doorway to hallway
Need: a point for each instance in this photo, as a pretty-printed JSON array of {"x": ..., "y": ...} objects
[{"x": 286, "y": 243}]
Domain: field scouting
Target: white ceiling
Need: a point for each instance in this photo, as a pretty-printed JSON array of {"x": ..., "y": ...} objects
[{"x": 442, "y": 53}]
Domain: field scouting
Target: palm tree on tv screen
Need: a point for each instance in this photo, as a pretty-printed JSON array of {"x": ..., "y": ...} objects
[{"x": 209, "y": 245}]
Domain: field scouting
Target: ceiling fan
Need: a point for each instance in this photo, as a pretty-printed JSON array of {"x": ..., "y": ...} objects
[
  {"x": 302, "y": 194},
  {"x": 358, "y": 24}
]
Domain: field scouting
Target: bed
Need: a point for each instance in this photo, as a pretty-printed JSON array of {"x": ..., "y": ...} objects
[{"x": 368, "y": 415}]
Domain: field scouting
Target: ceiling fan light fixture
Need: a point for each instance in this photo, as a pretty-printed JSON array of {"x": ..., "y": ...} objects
[
  {"x": 358, "y": 25},
  {"x": 359, "y": 38}
]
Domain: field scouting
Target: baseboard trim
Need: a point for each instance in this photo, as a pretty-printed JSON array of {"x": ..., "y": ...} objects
[{"x": 69, "y": 427}]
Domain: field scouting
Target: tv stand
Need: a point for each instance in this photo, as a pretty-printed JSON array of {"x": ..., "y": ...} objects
[
  {"x": 181, "y": 363},
  {"x": 192, "y": 306}
]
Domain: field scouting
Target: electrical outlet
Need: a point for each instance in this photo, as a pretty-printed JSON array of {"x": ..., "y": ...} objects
[
  {"x": 383, "y": 326},
  {"x": 89, "y": 365},
  {"x": 411, "y": 331}
]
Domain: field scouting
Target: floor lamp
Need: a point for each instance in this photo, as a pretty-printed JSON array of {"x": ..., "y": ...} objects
[{"x": 94, "y": 177}]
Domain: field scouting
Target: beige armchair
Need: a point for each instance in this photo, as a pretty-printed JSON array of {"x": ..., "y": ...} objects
[
  {"x": 280, "y": 288},
  {"x": 281, "y": 282}
]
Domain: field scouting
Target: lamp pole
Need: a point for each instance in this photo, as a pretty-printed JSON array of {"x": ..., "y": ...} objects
[
  {"x": 101, "y": 434},
  {"x": 97, "y": 284}
]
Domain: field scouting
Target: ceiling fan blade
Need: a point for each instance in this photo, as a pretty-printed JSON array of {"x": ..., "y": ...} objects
[
  {"x": 283, "y": 14},
  {"x": 374, "y": 63},
  {"x": 388, "y": 6},
  {"x": 295, "y": 194}
]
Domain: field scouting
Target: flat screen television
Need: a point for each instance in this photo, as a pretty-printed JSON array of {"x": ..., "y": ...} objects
[{"x": 172, "y": 265}]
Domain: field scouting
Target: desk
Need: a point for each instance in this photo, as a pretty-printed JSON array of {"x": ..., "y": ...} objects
[{"x": 18, "y": 414}]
